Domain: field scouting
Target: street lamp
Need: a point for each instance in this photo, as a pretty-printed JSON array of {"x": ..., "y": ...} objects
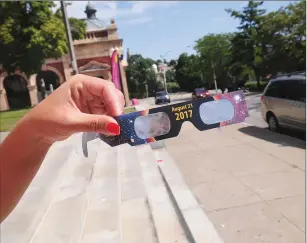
[
  {"x": 155, "y": 68},
  {"x": 69, "y": 38},
  {"x": 164, "y": 68}
]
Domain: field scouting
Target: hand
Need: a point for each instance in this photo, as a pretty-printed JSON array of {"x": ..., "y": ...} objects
[{"x": 82, "y": 104}]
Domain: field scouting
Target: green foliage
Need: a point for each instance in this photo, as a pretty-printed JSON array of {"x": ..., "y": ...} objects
[
  {"x": 252, "y": 86},
  {"x": 172, "y": 87},
  {"x": 30, "y": 32},
  {"x": 172, "y": 63},
  {"x": 77, "y": 26},
  {"x": 283, "y": 35},
  {"x": 246, "y": 45},
  {"x": 269, "y": 43},
  {"x": 188, "y": 73},
  {"x": 170, "y": 75},
  {"x": 264, "y": 44},
  {"x": 213, "y": 50},
  {"x": 139, "y": 74}
]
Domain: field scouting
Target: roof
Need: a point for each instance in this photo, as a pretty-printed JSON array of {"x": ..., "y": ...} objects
[
  {"x": 94, "y": 24},
  {"x": 289, "y": 76}
]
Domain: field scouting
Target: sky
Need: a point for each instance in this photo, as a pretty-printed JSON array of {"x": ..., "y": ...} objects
[{"x": 153, "y": 28}]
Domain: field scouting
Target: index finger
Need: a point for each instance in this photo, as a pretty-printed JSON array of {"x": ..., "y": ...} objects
[{"x": 107, "y": 92}]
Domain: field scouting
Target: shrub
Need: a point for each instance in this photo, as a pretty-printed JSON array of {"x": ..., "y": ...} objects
[
  {"x": 252, "y": 85},
  {"x": 172, "y": 87}
]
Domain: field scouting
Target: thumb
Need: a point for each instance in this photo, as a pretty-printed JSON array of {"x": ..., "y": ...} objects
[{"x": 96, "y": 123}]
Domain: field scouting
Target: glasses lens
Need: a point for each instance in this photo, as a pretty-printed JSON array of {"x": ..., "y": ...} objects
[
  {"x": 153, "y": 125},
  {"x": 216, "y": 111}
]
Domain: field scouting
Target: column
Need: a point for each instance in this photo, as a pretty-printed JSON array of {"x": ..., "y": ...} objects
[
  {"x": 33, "y": 94},
  {"x": 125, "y": 86},
  {"x": 3, "y": 101}
]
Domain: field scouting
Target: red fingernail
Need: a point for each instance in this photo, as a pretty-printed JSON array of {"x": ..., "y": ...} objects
[{"x": 113, "y": 128}]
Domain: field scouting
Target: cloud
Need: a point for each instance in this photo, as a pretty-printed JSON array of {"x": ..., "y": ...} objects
[
  {"x": 134, "y": 12},
  {"x": 137, "y": 21},
  {"x": 142, "y": 6}
]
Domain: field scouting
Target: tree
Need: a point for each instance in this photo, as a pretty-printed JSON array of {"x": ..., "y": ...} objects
[
  {"x": 187, "y": 72},
  {"x": 77, "y": 26},
  {"x": 213, "y": 50},
  {"x": 30, "y": 33},
  {"x": 172, "y": 63},
  {"x": 246, "y": 44},
  {"x": 139, "y": 74},
  {"x": 283, "y": 34},
  {"x": 170, "y": 75}
]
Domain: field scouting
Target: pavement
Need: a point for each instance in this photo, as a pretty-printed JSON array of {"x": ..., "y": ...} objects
[
  {"x": 249, "y": 181},
  {"x": 3, "y": 135}
]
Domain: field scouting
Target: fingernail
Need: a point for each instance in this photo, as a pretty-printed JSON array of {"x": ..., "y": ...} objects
[{"x": 113, "y": 128}]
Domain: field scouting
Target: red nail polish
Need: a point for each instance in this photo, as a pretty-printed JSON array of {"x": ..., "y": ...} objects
[{"x": 113, "y": 128}]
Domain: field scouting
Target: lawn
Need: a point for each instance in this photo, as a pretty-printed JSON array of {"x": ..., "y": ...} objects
[
  {"x": 8, "y": 119},
  {"x": 129, "y": 109}
]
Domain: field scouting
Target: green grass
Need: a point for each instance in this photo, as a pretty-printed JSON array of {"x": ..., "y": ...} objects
[
  {"x": 129, "y": 110},
  {"x": 8, "y": 119}
]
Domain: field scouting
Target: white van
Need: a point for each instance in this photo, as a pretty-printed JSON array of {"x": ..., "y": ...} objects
[{"x": 283, "y": 103}]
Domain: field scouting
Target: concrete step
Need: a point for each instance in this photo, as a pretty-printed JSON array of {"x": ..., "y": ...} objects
[
  {"x": 165, "y": 219},
  {"x": 64, "y": 219},
  {"x": 102, "y": 221},
  {"x": 26, "y": 217},
  {"x": 110, "y": 195},
  {"x": 197, "y": 226},
  {"x": 136, "y": 221}
]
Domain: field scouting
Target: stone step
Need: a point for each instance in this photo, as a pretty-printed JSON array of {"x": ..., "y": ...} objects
[
  {"x": 102, "y": 221},
  {"x": 22, "y": 223},
  {"x": 86, "y": 191},
  {"x": 136, "y": 221},
  {"x": 63, "y": 221},
  {"x": 195, "y": 222},
  {"x": 164, "y": 216}
]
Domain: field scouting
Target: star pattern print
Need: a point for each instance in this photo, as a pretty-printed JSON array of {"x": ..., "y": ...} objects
[{"x": 162, "y": 125}]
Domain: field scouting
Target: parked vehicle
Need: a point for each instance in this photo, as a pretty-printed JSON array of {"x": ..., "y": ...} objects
[
  {"x": 283, "y": 103},
  {"x": 162, "y": 97},
  {"x": 200, "y": 93}
]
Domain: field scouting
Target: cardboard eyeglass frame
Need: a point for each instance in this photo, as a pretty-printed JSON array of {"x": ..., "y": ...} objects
[{"x": 127, "y": 121}]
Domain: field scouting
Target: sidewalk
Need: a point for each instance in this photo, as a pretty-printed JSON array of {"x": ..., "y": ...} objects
[{"x": 250, "y": 181}]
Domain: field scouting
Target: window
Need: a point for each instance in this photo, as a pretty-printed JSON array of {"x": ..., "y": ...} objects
[
  {"x": 295, "y": 90},
  {"x": 288, "y": 89},
  {"x": 273, "y": 90},
  {"x": 302, "y": 90}
]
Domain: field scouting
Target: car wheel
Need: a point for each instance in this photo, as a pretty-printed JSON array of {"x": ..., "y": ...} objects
[{"x": 273, "y": 123}]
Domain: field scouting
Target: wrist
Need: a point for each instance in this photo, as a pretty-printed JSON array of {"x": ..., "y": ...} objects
[{"x": 28, "y": 129}]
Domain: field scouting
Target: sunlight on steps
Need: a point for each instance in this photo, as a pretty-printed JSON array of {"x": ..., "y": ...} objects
[{"x": 114, "y": 195}]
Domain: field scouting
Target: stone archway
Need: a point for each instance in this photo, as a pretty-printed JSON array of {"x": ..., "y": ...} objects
[
  {"x": 45, "y": 79},
  {"x": 53, "y": 69},
  {"x": 96, "y": 69},
  {"x": 100, "y": 76},
  {"x": 17, "y": 93}
]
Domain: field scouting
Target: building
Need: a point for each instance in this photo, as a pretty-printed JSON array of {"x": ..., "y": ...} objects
[{"x": 93, "y": 56}]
